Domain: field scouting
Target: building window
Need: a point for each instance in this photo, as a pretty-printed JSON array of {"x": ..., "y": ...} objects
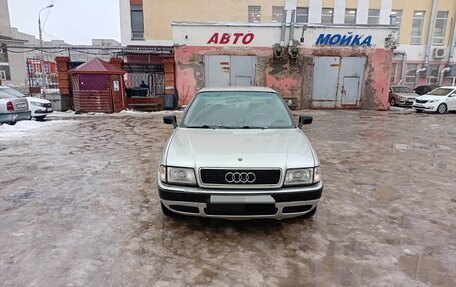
[
  {"x": 417, "y": 27},
  {"x": 410, "y": 75},
  {"x": 373, "y": 16},
  {"x": 398, "y": 15},
  {"x": 440, "y": 27},
  {"x": 350, "y": 16},
  {"x": 277, "y": 14},
  {"x": 30, "y": 69},
  {"x": 47, "y": 69},
  {"x": 393, "y": 73},
  {"x": 434, "y": 77},
  {"x": 137, "y": 22},
  {"x": 327, "y": 15},
  {"x": 254, "y": 14},
  {"x": 302, "y": 15}
]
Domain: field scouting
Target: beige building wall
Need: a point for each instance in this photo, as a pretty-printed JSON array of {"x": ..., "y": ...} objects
[
  {"x": 157, "y": 21},
  {"x": 158, "y": 15}
]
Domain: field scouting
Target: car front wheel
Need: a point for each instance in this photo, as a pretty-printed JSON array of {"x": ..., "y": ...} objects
[
  {"x": 393, "y": 102},
  {"x": 12, "y": 123},
  {"x": 419, "y": 111},
  {"x": 442, "y": 109},
  {"x": 40, "y": 118}
]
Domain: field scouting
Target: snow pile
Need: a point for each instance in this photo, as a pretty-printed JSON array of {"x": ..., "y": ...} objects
[{"x": 23, "y": 128}]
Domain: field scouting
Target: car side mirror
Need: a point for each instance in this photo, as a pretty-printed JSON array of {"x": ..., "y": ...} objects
[
  {"x": 170, "y": 120},
  {"x": 305, "y": 120},
  {"x": 453, "y": 96}
]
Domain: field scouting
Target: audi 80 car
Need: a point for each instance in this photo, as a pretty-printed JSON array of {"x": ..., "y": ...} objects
[{"x": 238, "y": 154}]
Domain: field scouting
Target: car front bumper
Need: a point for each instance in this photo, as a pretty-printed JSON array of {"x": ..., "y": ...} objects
[
  {"x": 432, "y": 107},
  {"x": 240, "y": 204},
  {"x": 15, "y": 116},
  {"x": 42, "y": 112}
]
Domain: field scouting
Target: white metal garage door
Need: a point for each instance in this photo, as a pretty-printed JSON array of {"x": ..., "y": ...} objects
[{"x": 221, "y": 71}]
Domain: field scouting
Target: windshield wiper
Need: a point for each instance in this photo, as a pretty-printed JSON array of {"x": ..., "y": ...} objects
[
  {"x": 199, "y": 127},
  {"x": 254, "y": 127}
]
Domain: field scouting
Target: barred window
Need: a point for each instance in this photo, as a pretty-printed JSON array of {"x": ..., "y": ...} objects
[
  {"x": 277, "y": 14},
  {"x": 327, "y": 15},
  {"x": 254, "y": 14},
  {"x": 350, "y": 16},
  {"x": 410, "y": 76},
  {"x": 137, "y": 22},
  {"x": 302, "y": 15}
]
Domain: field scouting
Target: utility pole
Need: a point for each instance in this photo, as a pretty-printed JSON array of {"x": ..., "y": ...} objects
[{"x": 41, "y": 42}]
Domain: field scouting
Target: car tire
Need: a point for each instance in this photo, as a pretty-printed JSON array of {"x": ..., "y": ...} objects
[
  {"x": 419, "y": 111},
  {"x": 441, "y": 109},
  {"x": 166, "y": 211},
  {"x": 311, "y": 213},
  {"x": 393, "y": 102},
  {"x": 12, "y": 123},
  {"x": 40, "y": 118}
]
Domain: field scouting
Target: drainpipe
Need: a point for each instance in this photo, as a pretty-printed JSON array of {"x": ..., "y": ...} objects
[
  {"x": 453, "y": 44},
  {"x": 450, "y": 58},
  {"x": 417, "y": 74},
  {"x": 291, "y": 38},
  {"x": 282, "y": 32},
  {"x": 430, "y": 33},
  {"x": 404, "y": 64},
  {"x": 442, "y": 74}
]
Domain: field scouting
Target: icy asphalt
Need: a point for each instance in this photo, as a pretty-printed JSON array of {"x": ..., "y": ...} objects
[{"x": 79, "y": 207}]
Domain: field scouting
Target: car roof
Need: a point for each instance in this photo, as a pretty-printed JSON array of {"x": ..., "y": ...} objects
[{"x": 237, "y": 89}]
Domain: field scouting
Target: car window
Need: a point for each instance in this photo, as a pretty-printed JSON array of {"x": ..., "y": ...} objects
[
  {"x": 12, "y": 92},
  {"x": 440, "y": 92},
  {"x": 237, "y": 109},
  {"x": 6, "y": 96},
  {"x": 402, "y": 90}
]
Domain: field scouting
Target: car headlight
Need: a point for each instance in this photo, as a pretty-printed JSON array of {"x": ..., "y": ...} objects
[
  {"x": 177, "y": 175},
  {"x": 37, "y": 104},
  {"x": 402, "y": 98},
  {"x": 302, "y": 176}
]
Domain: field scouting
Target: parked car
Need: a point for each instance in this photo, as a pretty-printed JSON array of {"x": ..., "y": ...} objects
[
  {"x": 40, "y": 108},
  {"x": 440, "y": 100},
  {"x": 424, "y": 89},
  {"x": 401, "y": 96},
  {"x": 237, "y": 154},
  {"x": 13, "y": 109}
]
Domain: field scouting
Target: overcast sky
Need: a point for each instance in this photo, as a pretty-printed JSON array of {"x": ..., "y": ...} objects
[{"x": 75, "y": 21}]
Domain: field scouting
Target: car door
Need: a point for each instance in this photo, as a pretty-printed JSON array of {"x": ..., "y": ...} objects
[{"x": 452, "y": 101}]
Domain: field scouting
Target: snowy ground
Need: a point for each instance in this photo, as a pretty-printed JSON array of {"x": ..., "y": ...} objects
[{"x": 79, "y": 207}]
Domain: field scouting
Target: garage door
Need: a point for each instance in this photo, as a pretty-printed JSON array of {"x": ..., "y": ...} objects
[{"x": 222, "y": 71}]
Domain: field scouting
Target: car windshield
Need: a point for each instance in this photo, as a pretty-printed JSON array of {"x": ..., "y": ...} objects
[
  {"x": 440, "y": 92},
  {"x": 401, "y": 90},
  {"x": 237, "y": 110},
  {"x": 12, "y": 92}
]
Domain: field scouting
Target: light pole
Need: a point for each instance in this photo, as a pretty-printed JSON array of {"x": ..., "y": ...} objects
[{"x": 41, "y": 41}]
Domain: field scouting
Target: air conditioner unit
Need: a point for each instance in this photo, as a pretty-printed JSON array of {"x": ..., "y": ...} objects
[{"x": 439, "y": 53}]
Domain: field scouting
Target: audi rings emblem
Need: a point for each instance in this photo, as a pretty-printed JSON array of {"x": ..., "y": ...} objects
[{"x": 240, "y": 177}]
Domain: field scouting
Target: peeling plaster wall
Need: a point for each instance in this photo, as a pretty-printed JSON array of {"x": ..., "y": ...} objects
[{"x": 290, "y": 78}]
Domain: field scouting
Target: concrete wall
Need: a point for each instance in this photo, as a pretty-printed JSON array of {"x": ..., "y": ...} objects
[{"x": 291, "y": 78}]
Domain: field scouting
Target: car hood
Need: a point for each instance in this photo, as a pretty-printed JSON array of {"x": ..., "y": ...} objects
[
  {"x": 408, "y": 95},
  {"x": 38, "y": 100},
  {"x": 430, "y": 98},
  {"x": 240, "y": 148}
]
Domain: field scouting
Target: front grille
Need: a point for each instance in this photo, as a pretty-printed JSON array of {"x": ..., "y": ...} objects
[
  {"x": 238, "y": 177},
  {"x": 49, "y": 105},
  {"x": 241, "y": 209},
  {"x": 421, "y": 101}
]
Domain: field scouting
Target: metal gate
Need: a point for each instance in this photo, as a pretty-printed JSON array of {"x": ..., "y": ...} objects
[
  {"x": 221, "y": 71},
  {"x": 337, "y": 82}
]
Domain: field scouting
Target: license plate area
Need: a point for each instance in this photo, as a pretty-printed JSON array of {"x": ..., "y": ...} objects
[
  {"x": 241, "y": 205},
  {"x": 21, "y": 106}
]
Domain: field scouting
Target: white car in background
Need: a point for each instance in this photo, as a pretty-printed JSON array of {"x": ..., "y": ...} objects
[
  {"x": 40, "y": 108},
  {"x": 440, "y": 100}
]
